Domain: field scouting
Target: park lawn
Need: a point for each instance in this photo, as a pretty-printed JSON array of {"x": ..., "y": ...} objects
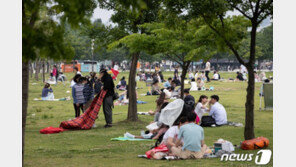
[{"x": 94, "y": 148}]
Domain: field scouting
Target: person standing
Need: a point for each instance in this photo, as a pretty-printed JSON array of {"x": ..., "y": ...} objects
[
  {"x": 207, "y": 70},
  {"x": 55, "y": 73},
  {"x": 108, "y": 85},
  {"x": 176, "y": 75},
  {"x": 77, "y": 94}
]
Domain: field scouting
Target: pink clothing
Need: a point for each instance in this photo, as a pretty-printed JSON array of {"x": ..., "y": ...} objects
[{"x": 54, "y": 72}]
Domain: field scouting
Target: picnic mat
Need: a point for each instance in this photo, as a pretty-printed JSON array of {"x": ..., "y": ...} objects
[
  {"x": 129, "y": 139},
  {"x": 84, "y": 121},
  {"x": 61, "y": 99},
  {"x": 87, "y": 119}
]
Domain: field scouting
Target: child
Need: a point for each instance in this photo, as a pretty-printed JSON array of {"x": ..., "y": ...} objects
[
  {"x": 88, "y": 92},
  {"x": 77, "y": 94},
  {"x": 193, "y": 85},
  {"x": 47, "y": 92}
]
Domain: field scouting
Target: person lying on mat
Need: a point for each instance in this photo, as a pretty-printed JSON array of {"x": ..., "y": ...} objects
[
  {"x": 193, "y": 137},
  {"x": 47, "y": 92},
  {"x": 217, "y": 111},
  {"x": 124, "y": 97}
]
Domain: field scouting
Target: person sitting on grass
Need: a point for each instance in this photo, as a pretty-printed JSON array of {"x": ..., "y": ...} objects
[
  {"x": 193, "y": 85},
  {"x": 155, "y": 90},
  {"x": 216, "y": 76},
  {"x": 239, "y": 76},
  {"x": 47, "y": 92},
  {"x": 77, "y": 94},
  {"x": 201, "y": 107},
  {"x": 168, "y": 92},
  {"x": 159, "y": 102},
  {"x": 200, "y": 84},
  {"x": 193, "y": 138},
  {"x": 168, "y": 83},
  {"x": 217, "y": 111},
  {"x": 122, "y": 84},
  {"x": 171, "y": 135}
]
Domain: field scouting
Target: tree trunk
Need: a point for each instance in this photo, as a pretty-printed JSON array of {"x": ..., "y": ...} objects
[
  {"x": 47, "y": 67},
  {"x": 31, "y": 68},
  {"x": 25, "y": 89},
  {"x": 249, "y": 117},
  {"x": 43, "y": 71},
  {"x": 249, "y": 120},
  {"x": 37, "y": 70},
  {"x": 183, "y": 75},
  {"x": 132, "y": 105}
]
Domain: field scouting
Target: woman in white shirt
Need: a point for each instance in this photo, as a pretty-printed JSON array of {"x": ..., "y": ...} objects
[
  {"x": 201, "y": 106},
  {"x": 193, "y": 85}
]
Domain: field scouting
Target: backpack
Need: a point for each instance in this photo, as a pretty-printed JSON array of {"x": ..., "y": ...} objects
[
  {"x": 257, "y": 143},
  {"x": 207, "y": 121}
]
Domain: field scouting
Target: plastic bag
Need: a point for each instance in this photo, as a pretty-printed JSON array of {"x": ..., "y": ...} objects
[{"x": 160, "y": 148}]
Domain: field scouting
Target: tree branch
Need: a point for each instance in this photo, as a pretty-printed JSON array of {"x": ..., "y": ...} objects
[
  {"x": 236, "y": 54},
  {"x": 251, "y": 6},
  {"x": 172, "y": 58},
  {"x": 242, "y": 12}
]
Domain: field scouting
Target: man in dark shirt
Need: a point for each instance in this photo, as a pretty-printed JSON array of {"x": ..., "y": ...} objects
[{"x": 108, "y": 85}]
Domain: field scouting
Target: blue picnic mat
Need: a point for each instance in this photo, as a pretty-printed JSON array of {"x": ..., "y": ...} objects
[{"x": 129, "y": 139}]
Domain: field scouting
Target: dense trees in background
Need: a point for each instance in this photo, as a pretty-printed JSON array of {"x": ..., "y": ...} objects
[
  {"x": 128, "y": 20},
  {"x": 213, "y": 14}
]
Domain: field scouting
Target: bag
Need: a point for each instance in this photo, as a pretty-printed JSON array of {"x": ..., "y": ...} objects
[
  {"x": 115, "y": 96},
  {"x": 160, "y": 148},
  {"x": 207, "y": 121},
  {"x": 257, "y": 143}
]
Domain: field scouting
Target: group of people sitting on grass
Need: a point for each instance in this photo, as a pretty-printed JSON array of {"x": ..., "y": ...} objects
[
  {"x": 185, "y": 137},
  {"x": 144, "y": 76}
]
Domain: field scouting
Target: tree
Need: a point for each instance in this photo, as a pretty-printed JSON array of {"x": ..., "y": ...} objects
[
  {"x": 45, "y": 38},
  {"x": 128, "y": 19},
  {"x": 213, "y": 13},
  {"x": 179, "y": 43},
  {"x": 265, "y": 43}
]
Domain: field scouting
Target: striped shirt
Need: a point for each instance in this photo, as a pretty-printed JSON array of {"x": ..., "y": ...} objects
[{"x": 77, "y": 93}]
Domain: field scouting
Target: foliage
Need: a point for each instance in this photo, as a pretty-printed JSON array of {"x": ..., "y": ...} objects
[
  {"x": 45, "y": 37},
  {"x": 265, "y": 43}
]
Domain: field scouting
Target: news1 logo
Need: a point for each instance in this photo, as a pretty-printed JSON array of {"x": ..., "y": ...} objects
[{"x": 262, "y": 157}]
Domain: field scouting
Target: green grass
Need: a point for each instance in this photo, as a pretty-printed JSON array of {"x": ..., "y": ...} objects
[{"x": 94, "y": 148}]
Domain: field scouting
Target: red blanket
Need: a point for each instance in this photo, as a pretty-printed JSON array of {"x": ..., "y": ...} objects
[{"x": 87, "y": 119}]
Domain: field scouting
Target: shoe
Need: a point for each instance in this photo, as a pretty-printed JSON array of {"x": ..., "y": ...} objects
[
  {"x": 108, "y": 126},
  {"x": 128, "y": 135}
]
